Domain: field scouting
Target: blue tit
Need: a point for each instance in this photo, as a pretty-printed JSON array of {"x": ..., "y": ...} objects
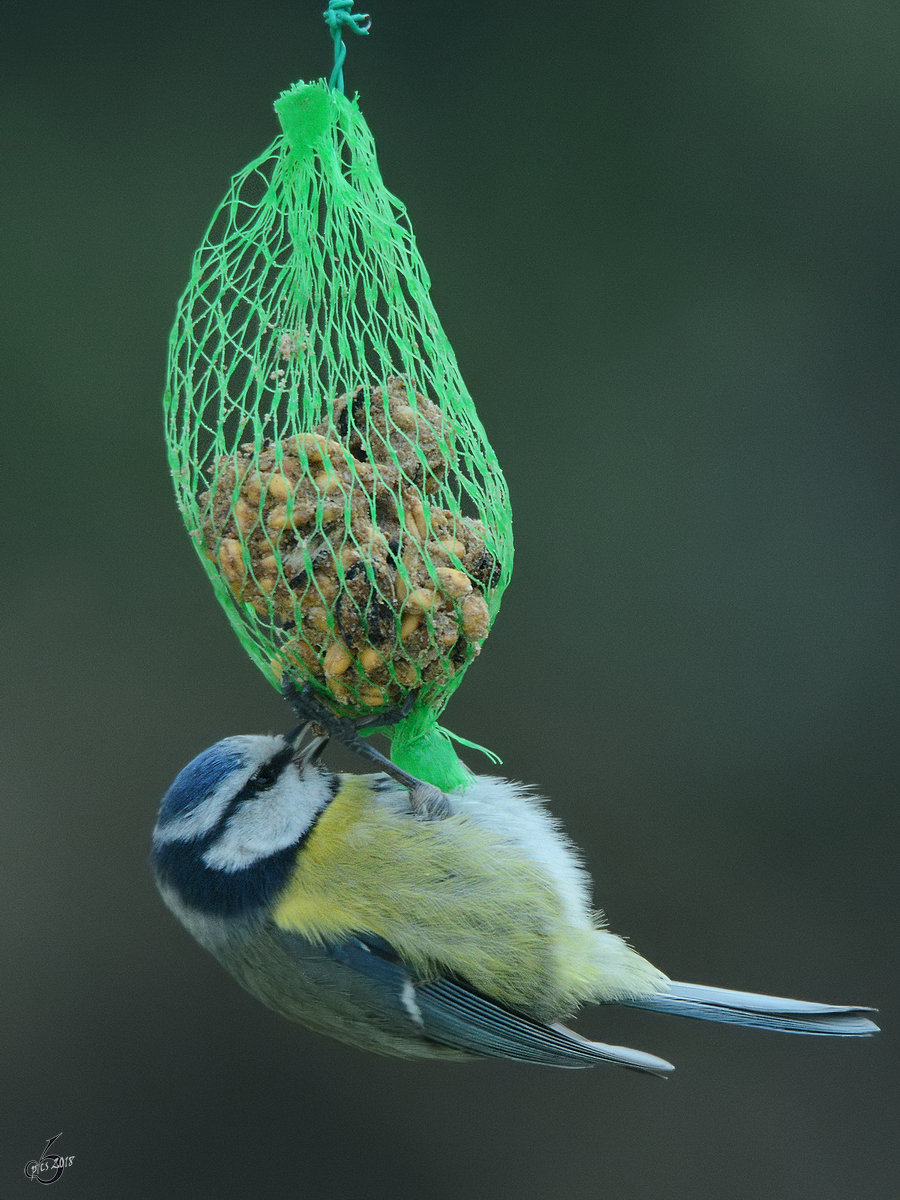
[{"x": 336, "y": 903}]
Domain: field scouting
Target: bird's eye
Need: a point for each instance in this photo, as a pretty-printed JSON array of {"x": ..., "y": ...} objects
[{"x": 266, "y": 775}]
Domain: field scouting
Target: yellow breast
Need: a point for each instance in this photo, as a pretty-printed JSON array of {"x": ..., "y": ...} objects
[{"x": 450, "y": 896}]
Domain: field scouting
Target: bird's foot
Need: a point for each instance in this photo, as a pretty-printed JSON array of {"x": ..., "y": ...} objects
[{"x": 425, "y": 799}]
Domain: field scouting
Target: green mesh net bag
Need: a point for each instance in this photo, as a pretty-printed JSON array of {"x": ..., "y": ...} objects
[{"x": 328, "y": 460}]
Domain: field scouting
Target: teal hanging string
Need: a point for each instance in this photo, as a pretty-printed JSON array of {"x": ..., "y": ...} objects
[{"x": 337, "y": 18}]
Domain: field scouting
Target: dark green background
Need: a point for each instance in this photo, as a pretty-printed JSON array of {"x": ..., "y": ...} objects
[{"x": 664, "y": 243}]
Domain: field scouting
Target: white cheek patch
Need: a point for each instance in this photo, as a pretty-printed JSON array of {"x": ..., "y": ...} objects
[
  {"x": 200, "y": 819},
  {"x": 206, "y": 815},
  {"x": 276, "y": 819}
]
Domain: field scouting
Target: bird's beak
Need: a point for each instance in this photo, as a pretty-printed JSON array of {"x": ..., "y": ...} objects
[
  {"x": 306, "y": 755},
  {"x": 293, "y": 738}
]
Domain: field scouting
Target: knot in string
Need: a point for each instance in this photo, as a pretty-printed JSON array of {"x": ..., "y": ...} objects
[{"x": 339, "y": 17}]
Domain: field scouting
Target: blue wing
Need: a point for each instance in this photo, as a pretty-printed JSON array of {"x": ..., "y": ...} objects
[{"x": 447, "y": 1013}]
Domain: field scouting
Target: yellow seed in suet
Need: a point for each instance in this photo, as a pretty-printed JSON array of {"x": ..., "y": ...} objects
[
  {"x": 371, "y": 696},
  {"x": 415, "y": 517},
  {"x": 370, "y": 660},
  {"x": 409, "y": 625},
  {"x": 475, "y": 618},
  {"x": 421, "y": 599},
  {"x": 252, "y": 489},
  {"x": 309, "y": 446},
  {"x": 332, "y": 510},
  {"x": 277, "y": 518},
  {"x": 316, "y": 448},
  {"x": 246, "y": 517},
  {"x": 448, "y": 634},
  {"x": 327, "y": 482},
  {"x": 406, "y": 674},
  {"x": 340, "y": 692},
  {"x": 317, "y": 617},
  {"x": 231, "y": 560},
  {"x": 278, "y": 487},
  {"x": 337, "y": 659},
  {"x": 453, "y": 546},
  {"x": 404, "y": 417},
  {"x": 453, "y": 583}
]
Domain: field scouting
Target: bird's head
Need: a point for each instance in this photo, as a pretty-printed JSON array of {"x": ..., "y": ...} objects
[{"x": 230, "y": 825}]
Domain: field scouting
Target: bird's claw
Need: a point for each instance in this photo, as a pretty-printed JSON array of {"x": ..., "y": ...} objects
[
  {"x": 430, "y": 802},
  {"x": 425, "y": 799}
]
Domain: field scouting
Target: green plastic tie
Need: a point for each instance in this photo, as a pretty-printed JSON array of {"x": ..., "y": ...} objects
[
  {"x": 423, "y": 748},
  {"x": 337, "y": 17},
  {"x": 456, "y": 737}
]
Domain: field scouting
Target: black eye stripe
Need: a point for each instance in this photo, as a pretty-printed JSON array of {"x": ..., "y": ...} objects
[
  {"x": 265, "y": 775},
  {"x": 268, "y": 772}
]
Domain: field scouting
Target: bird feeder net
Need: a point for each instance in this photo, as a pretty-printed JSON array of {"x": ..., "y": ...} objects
[{"x": 328, "y": 460}]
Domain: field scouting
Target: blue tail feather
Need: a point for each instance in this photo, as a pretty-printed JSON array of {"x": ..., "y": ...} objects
[{"x": 759, "y": 1011}]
